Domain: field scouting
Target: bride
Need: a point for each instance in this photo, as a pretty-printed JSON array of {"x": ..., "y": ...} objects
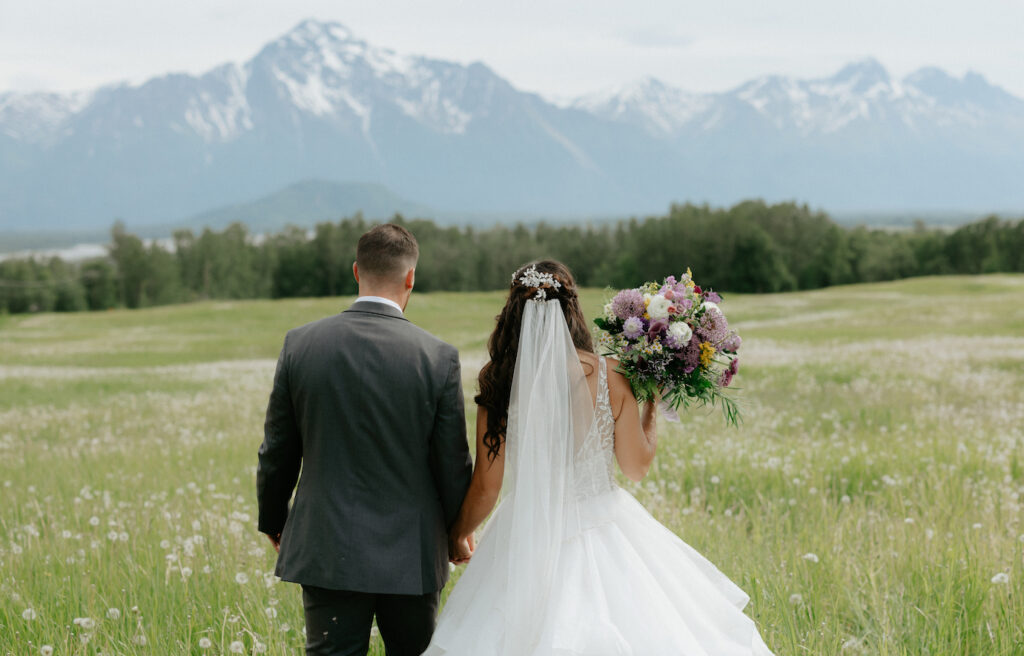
[{"x": 570, "y": 564}]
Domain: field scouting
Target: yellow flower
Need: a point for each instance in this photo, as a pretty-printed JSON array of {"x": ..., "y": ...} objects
[{"x": 707, "y": 351}]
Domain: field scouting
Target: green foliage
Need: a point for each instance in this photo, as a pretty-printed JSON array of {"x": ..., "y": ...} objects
[
  {"x": 884, "y": 438},
  {"x": 751, "y": 247}
]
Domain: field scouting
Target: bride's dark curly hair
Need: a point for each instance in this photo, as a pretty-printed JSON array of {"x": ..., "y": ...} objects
[{"x": 495, "y": 380}]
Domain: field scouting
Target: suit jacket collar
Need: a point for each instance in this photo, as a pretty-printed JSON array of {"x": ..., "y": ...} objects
[{"x": 372, "y": 307}]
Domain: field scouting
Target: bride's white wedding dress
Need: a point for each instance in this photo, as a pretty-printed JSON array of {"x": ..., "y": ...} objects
[{"x": 570, "y": 564}]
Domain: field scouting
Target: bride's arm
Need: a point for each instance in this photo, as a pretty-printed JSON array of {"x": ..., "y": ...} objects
[
  {"x": 636, "y": 431},
  {"x": 484, "y": 488}
]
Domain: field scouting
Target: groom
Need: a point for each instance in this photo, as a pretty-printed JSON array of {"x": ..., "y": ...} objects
[{"x": 370, "y": 407}]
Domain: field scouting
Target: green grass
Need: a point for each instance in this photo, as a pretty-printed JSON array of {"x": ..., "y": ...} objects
[{"x": 883, "y": 434}]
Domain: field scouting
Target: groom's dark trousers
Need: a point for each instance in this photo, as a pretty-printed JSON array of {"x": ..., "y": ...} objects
[{"x": 369, "y": 407}]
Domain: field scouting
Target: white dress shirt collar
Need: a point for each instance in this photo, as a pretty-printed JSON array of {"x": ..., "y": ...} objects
[{"x": 380, "y": 299}]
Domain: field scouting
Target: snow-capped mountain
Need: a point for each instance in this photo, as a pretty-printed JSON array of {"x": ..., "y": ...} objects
[
  {"x": 319, "y": 102},
  {"x": 860, "y": 92}
]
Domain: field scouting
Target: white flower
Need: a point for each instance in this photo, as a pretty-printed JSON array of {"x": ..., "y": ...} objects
[
  {"x": 681, "y": 331},
  {"x": 608, "y": 314},
  {"x": 259, "y": 648},
  {"x": 657, "y": 306},
  {"x": 811, "y": 557},
  {"x": 114, "y": 613},
  {"x": 28, "y": 615},
  {"x": 716, "y": 480},
  {"x": 94, "y": 521},
  {"x": 140, "y": 640},
  {"x": 1001, "y": 577},
  {"x": 271, "y": 612},
  {"x": 711, "y": 307},
  {"x": 186, "y": 572},
  {"x": 542, "y": 281},
  {"x": 237, "y": 647},
  {"x": 205, "y": 643},
  {"x": 87, "y": 623},
  {"x": 796, "y": 599},
  {"x": 241, "y": 578},
  {"x": 46, "y": 650},
  {"x": 845, "y": 498}
]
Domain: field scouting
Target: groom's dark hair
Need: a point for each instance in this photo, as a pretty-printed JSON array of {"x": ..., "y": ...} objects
[{"x": 386, "y": 251}]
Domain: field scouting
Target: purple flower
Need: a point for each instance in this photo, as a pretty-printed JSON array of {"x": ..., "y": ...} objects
[
  {"x": 633, "y": 327},
  {"x": 657, "y": 326},
  {"x": 713, "y": 327},
  {"x": 727, "y": 375},
  {"x": 628, "y": 303},
  {"x": 732, "y": 343},
  {"x": 691, "y": 354},
  {"x": 713, "y": 297}
]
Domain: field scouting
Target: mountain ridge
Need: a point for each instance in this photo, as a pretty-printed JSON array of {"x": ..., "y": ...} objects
[{"x": 320, "y": 103}]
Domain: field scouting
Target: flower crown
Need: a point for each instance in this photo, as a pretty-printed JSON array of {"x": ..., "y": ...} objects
[{"x": 535, "y": 279}]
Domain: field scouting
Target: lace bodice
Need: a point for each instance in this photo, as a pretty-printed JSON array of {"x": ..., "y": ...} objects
[{"x": 595, "y": 459}]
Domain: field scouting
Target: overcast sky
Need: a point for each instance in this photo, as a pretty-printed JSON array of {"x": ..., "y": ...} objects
[{"x": 559, "y": 48}]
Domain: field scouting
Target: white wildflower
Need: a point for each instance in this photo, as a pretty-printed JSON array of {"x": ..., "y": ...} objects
[
  {"x": 114, "y": 613},
  {"x": 1001, "y": 577},
  {"x": 241, "y": 578},
  {"x": 810, "y": 557},
  {"x": 796, "y": 599},
  {"x": 28, "y": 615},
  {"x": 237, "y": 647},
  {"x": 87, "y": 623},
  {"x": 205, "y": 643}
]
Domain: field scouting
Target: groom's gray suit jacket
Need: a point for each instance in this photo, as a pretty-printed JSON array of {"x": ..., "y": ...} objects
[{"x": 370, "y": 406}]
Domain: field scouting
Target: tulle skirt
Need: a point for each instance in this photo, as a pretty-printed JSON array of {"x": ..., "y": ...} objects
[{"x": 624, "y": 585}]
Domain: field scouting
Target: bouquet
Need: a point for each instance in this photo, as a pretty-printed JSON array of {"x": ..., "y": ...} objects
[{"x": 672, "y": 339}]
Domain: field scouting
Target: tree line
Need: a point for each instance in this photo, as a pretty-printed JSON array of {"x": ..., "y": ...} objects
[{"x": 751, "y": 247}]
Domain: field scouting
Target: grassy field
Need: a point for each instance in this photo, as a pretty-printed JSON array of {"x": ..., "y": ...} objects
[{"x": 870, "y": 504}]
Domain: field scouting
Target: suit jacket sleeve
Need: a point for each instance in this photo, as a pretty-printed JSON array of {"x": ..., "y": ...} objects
[
  {"x": 280, "y": 455},
  {"x": 449, "y": 452}
]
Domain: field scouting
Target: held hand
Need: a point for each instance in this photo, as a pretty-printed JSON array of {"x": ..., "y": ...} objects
[
  {"x": 460, "y": 550},
  {"x": 276, "y": 541}
]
